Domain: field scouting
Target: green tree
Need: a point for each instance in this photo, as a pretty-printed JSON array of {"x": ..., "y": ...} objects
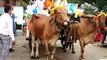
[
  {"x": 7, "y": 1},
  {"x": 22, "y": 3},
  {"x": 26, "y": 1},
  {"x": 104, "y": 8},
  {"x": 79, "y": 2},
  {"x": 100, "y": 4}
]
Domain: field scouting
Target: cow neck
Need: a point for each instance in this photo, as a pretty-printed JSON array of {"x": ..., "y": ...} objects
[
  {"x": 97, "y": 23},
  {"x": 91, "y": 20},
  {"x": 58, "y": 27}
]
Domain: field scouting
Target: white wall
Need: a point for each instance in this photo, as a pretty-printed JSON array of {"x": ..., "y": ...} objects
[{"x": 18, "y": 11}]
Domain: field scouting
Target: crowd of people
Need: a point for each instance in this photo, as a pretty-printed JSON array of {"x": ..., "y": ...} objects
[
  {"x": 7, "y": 25},
  {"x": 43, "y": 6}
]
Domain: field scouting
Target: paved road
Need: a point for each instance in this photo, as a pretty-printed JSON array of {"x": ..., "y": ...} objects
[{"x": 22, "y": 51}]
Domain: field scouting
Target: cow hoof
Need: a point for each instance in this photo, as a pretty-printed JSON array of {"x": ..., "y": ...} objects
[
  {"x": 73, "y": 52},
  {"x": 28, "y": 38},
  {"x": 81, "y": 59},
  {"x": 32, "y": 57},
  {"x": 23, "y": 46},
  {"x": 64, "y": 50},
  {"x": 53, "y": 59},
  {"x": 37, "y": 57}
]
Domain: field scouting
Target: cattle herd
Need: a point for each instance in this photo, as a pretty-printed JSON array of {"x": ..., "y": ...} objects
[{"x": 60, "y": 25}]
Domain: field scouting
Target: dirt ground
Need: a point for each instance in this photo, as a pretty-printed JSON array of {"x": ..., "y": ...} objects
[{"x": 22, "y": 51}]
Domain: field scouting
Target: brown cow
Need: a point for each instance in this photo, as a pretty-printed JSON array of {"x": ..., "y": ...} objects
[
  {"x": 86, "y": 29},
  {"x": 46, "y": 29}
]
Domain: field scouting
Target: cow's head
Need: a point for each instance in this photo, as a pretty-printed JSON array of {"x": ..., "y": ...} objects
[
  {"x": 60, "y": 15},
  {"x": 101, "y": 17}
]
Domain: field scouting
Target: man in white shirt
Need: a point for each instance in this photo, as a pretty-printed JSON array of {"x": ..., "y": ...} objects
[
  {"x": 40, "y": 7},
  {"x": 6, "y": 32}
]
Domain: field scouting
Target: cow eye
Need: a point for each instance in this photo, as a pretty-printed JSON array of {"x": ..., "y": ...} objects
[{"x": 59, "y": 11}]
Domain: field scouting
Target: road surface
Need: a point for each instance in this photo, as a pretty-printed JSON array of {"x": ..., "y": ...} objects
[{"x": 22, "y": 51}]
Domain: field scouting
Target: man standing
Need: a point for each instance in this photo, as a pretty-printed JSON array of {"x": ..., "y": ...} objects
[
  {"x": 40, "y": 6},
  {"x": 6, "y": 32},
  {"x": 14, "y": 30},
  {"x": 105, "y": 34},
  {"x": 14, "y": 25}
]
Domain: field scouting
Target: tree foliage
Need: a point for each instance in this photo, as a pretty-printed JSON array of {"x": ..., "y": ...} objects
[
  {"x": 100, "y": 4},
  {"x": 26, "y": 1},
  {"x": 23, "y": 3}
]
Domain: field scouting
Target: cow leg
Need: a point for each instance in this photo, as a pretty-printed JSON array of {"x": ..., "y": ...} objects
[
  {"x": 53, "y": 53},
  {"x": 46, "y": 49},
  {"x": 69, "y": 45},
  {"x": 53, "y": 50},
  {"x": 62, "y": 43},
  {"x": 82, "y": 49},
  {"x": 72, "y": 44},
  {"x": 73, "y": 51},
  {"x": 53, "y": 44},
  {"x": 37, "y": 48},
  {"x": 33, "y": 46},
  {"x": 30, "y": 44}
]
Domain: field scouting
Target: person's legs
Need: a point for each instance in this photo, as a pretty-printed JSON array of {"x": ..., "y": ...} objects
[
  {"x": 11, "y": 47},
  {"x": 103, "y": 44},
  {"x": 104, "y": 38},
  {"x": 0, "y": 49},
  {"x": 5, "y": 40},
  {"x": 28, "y": 34}
]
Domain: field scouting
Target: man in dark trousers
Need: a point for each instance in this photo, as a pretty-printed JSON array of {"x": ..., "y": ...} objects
[{"x": 14, "y": 25}]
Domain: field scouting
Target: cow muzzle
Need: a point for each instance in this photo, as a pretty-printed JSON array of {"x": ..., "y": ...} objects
[{"x": 66, "y": 22}]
